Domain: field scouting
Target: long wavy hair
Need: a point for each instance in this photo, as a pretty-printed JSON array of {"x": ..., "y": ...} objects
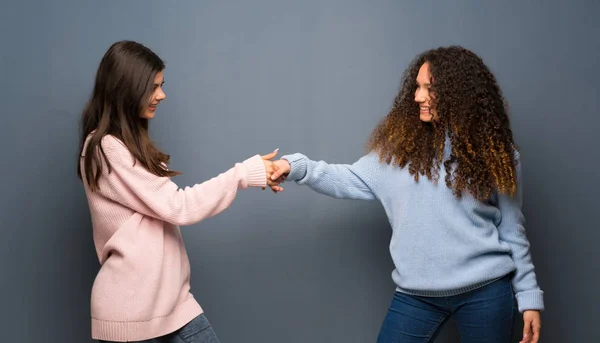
[
  {"x": 472, "y": 113},
  {"x": 123, "y": 86}
]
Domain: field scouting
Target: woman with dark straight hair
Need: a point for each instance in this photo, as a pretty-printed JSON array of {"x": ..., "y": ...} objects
[{"x": 142, "y": 291}]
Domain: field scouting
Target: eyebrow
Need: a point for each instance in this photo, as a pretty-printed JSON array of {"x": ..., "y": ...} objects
[
  {"x": 425, "y": 84},
  {"x": 162, "y": 83}
]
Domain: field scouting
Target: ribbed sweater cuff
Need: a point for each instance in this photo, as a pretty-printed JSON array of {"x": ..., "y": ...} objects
[
  {"x": 257, "y": 176},
  {"x": 298, "y": 166},
  {"x": 530, "y": 300}
]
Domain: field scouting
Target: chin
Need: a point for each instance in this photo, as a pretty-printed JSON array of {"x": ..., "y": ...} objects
[{"x": 426, "y": 119}]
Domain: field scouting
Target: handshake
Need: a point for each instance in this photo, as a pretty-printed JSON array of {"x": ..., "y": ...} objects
[{"x": 277, "y": 171}]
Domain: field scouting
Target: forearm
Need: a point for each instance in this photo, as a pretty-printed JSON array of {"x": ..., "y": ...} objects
[{"x": 335, "y": 180}]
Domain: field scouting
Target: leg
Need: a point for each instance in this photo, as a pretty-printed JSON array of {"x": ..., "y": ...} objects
[
  {"x": 198, "y": 330},
  {"x": 412, "y": 319},
  {"x": 487, "y": 314}
]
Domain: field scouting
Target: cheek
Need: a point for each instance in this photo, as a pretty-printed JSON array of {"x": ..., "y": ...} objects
[{"x": 152, "y": 96}]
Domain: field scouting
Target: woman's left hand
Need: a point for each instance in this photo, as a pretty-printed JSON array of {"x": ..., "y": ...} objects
[{"x": 532, "y": 324}]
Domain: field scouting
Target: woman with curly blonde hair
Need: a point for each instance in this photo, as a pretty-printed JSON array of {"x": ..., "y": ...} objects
[{"x": 444, "y": 165}]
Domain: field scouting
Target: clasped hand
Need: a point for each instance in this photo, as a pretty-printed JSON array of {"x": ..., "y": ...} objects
[{"x": 277, "y": 171}]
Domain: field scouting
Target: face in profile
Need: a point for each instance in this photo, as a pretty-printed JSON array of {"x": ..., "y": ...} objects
[
  {"x": 424, "y": 95},
  {"x": 156, "y": 96}
]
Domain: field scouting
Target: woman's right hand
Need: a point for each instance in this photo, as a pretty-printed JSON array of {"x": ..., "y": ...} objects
[
  {"x": 270, "y": 169},
  {"x": 282, "y": 171}
]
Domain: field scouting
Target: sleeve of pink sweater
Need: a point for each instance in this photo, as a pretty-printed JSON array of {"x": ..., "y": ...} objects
[{"x": 132, "y": 185}]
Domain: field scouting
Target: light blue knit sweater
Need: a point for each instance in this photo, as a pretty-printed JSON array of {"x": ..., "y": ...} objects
[{"x": 441, "y": 245}]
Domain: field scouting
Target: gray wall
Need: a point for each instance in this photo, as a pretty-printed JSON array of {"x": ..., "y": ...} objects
[{"x": 314, "y": 76}]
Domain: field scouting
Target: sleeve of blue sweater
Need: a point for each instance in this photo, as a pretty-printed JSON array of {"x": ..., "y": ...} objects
[
  {"x": 341, "y": 181},
  {"x": 511, "y": 229}
]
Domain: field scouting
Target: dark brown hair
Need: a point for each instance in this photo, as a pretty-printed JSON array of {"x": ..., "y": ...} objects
[
  {"x": 472, "y": 113},
  {"x": 123, "y": 86}
]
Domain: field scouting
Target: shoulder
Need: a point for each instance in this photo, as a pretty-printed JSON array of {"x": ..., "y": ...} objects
[
  {"x": 106, "y": 142},
  {"x": 114, "y": 149},
  {"x": 370, "y": 158},
  {"x": 112, "y": 143},
  {"x": 369, "y": 166},
  {"x": 110, "y": 148},
  {"x": 375, "y": 161}
]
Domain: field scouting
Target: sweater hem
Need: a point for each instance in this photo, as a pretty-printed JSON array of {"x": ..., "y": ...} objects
[
  {"x": 447, "y": 293},
  {"x": 125, "y": 331}
]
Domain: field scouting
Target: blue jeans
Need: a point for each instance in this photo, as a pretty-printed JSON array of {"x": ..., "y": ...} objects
[
  {"x": 485, "y": 315},
  {"x": 198, "y": 330}
]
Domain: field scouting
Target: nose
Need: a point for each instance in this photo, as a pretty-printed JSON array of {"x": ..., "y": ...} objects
[
  {"x": 420, "y": 96},
  {"x": 160, "y": 95}
]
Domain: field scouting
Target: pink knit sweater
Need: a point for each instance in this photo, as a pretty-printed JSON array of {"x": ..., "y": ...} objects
[{"x": 143, "y": 287}]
